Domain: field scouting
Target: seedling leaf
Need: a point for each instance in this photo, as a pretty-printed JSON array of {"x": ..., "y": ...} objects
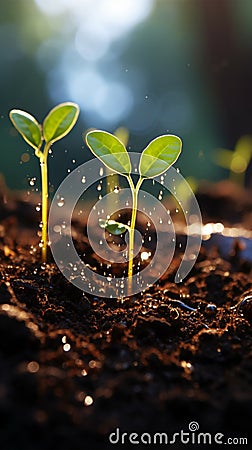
[
  {"x": 110, "y": 150},
  {"x": 60, "y": 121},
  {"x": 113, "y": 227},
  {"x": 159, "y": 155},
  {"x": 27, "y": 126}
]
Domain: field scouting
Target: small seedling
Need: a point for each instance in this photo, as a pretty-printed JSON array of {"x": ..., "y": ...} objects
[
  {"x": 237, "y": 160},
  {"x": 155, "y": 159},
  {"x": 56, "y": 125}
]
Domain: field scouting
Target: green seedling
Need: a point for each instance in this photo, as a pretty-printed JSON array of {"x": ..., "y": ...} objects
[
  {"x": 237, "y": 160},
  {"x": 56, "y": 125},
  {"x": 155, "y": 159}
]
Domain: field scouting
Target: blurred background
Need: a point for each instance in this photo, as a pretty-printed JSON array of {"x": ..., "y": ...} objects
[{"x": 153, "y": 66}]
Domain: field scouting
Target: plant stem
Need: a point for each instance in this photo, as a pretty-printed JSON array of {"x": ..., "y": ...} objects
[
  {"x": 44, "y": 194},
  {"x": 134, "y": 191}
]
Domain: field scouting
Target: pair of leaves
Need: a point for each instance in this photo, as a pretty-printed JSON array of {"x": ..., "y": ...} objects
[
  {"x": 113, "y": 227},
  {"x": 56, "y": 125},
  {"x": 156, "y": 158}
]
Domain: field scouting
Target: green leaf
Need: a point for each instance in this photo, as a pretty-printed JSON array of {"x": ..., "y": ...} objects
[
  {"x": 60, "y": 121},
  {"x": 113, "y": 227},
  {"x": 159, "y": 155},
  {"x": 27, "y": 126},
  {"x": 110, "y": 150}
]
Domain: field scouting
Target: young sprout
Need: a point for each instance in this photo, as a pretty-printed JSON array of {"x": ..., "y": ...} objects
[
  {"x": 56, "y": 125},
  {"x": 237, "y": 160},
  {"x": 155, "y": 159}
]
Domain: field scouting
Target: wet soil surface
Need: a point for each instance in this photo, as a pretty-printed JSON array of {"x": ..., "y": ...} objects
[{"x": 74, "y": 368}]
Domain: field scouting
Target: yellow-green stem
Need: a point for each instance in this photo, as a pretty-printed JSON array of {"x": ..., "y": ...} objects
[
  {"x": 135, "y": 191},
  {"x": 44, "y": 195}
]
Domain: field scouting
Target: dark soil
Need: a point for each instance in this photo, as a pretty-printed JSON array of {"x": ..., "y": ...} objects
[{"x": 76, "y": 367}]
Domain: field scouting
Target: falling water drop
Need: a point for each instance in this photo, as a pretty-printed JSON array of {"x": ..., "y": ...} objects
[
  {"x": 61, "y": 202},
  {"x": 32, "y": 181}
]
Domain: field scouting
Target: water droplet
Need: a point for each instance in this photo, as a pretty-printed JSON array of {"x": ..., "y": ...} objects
[
  {"x": 61, "y": 202},
  {"x": 116, "y": 189},
  {"x": 101, "y": 172},
  {"x": 88, "y": 400},
  {"x": 57, "y": 228},
  {"x": 32, "y": 181},
  {"x": 99, "y": 187},
  {"x": 33, "y": 367},
  {"x": 66, "y": 347},
  {"x": 38, "y": 207},
  {"x": 211, "y": 308},
  {"x": 145, "y": 256},
  {"x": 73, "y": 161},
  {"x": 83, "y": 180}
]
